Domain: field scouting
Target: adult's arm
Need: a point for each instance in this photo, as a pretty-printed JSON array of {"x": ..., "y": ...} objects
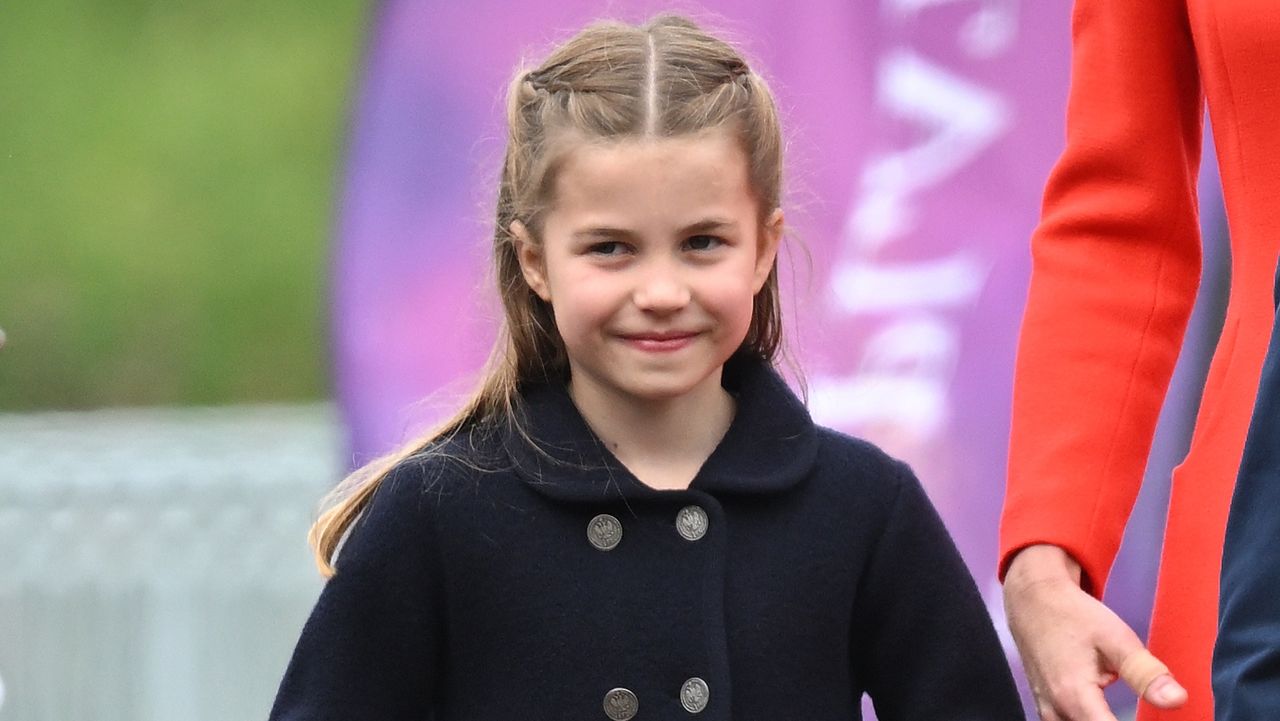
[{"x": 1115, "y": 268}]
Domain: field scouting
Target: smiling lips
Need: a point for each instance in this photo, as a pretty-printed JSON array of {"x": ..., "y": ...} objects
[{"x": 664, "y": 342}]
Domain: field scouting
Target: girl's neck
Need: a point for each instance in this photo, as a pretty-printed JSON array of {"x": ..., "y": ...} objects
[{"x": 662, "y": 442}]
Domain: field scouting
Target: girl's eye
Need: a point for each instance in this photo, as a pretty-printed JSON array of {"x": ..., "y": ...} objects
[
  {"x": 611, "y": 247},
  {"x": 703, "y": 242}
]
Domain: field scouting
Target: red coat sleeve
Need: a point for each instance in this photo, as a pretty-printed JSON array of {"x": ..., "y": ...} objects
[{"x": 1115, "y": 268}]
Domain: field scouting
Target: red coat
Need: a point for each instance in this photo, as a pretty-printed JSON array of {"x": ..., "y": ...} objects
[{"x": 1115, "y": 271}]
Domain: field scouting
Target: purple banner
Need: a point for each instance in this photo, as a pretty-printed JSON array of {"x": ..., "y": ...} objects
[{"x": 929, "y": 262}]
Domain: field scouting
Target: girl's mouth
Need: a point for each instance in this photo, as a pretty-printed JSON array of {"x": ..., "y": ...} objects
[{"x": 660, "y": 342}]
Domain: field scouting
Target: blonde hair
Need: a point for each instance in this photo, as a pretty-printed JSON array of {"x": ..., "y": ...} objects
[{"x": 611, "y": 81}]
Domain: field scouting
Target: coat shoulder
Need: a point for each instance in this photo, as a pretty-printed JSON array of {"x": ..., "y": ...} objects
[
  {"x": 445, "y": 468},
  {"x": 860, "y": 466}
]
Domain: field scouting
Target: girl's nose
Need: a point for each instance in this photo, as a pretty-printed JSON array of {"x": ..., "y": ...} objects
[{"x": 662, "y": 291}]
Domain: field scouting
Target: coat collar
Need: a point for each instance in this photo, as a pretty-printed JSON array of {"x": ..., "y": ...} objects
[{"x": 770, "y": 446}]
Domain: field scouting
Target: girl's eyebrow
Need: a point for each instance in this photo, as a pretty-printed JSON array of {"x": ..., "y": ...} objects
[
  {"x": 709, "y": 225},
  {"x": 702, "y": 226},
  {"x": 602, "y": 232}
]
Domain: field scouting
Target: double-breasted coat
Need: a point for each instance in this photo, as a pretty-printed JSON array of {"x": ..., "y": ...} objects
[{"x": 514, "y": 577}]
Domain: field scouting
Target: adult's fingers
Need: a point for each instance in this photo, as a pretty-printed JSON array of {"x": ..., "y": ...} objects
[
  {"x": 1082, "y": 703},
  {"x": 1150, "y": 679},
  {"x": 1140, "y": 668},
  {"x": 1165, "y": 692}
]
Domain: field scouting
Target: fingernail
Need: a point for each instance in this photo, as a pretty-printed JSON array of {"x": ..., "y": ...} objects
[{"x": 1168, "y": 691}]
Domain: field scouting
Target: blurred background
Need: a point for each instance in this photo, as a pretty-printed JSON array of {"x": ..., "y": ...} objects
[{"x": 242, "y": 249}]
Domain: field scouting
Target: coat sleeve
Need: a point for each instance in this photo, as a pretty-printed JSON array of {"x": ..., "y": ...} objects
[
  {"x": 1115, "y": 269},
  {"x": 370, "y": 649},
  {"x": 923, "y": 642}
]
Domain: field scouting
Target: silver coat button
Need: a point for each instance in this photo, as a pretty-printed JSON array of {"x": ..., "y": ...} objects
[
  {"x": 620, "y": 704},
  {"x": 604, "y": 532},
  {"x": 694, "y": 695},
  {"x": 692, "y": 523}
]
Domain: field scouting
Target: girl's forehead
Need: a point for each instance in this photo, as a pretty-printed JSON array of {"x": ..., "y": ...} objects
[
  {"x": 713, "y": 143},
  {"x": 638, "y": 174}
]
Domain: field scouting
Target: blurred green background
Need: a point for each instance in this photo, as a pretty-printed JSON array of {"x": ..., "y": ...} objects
[{"x": 167, "y": 177}]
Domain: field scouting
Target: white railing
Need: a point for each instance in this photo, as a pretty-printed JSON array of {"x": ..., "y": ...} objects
[{"x": 153, "y": 563}]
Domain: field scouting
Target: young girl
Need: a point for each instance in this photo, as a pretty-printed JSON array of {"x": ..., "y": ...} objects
[{"x": 634, "y": 517}]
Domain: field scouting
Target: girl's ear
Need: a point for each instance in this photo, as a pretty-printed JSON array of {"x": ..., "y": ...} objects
[
  {"x": 770, "y": 237},
  {"x": 532, "y": 264}
]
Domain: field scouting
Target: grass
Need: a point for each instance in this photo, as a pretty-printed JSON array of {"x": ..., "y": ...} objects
[{"x": 167, "y": 183}]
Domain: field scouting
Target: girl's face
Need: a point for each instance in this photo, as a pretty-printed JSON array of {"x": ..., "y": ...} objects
[{"x": 651, "y": 255}]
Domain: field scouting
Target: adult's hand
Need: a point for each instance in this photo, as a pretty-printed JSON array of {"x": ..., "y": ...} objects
[{"x": 1072, "y": 645}]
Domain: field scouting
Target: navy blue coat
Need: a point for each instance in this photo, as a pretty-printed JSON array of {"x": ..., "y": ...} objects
[
  {"x": 1246, "y": 655},
  {"x": 824, "y": 573}
]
